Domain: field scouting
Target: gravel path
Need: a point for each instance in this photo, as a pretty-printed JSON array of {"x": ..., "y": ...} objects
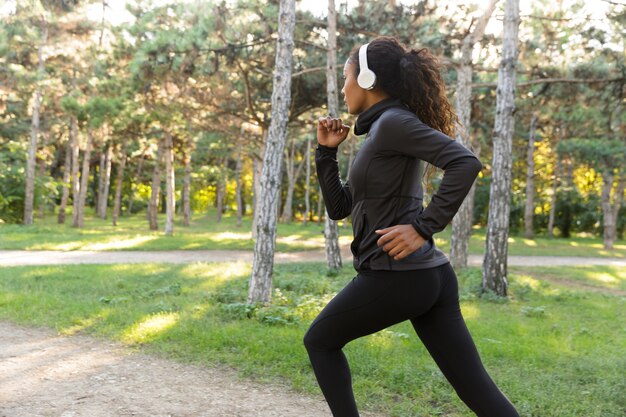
[
  {"x": 21, "y": 257},
  {"x": 43, "y": 374}
]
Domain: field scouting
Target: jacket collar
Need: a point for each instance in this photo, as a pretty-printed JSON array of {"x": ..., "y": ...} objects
[{"x": 365, "y": 119}]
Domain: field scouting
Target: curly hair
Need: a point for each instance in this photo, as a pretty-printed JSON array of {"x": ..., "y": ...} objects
[{"x": 413, "y": 76}]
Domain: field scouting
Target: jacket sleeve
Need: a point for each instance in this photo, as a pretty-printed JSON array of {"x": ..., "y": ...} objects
[
  {"x": 337, "y": 196},
  {"x": 410, "y": 136}
]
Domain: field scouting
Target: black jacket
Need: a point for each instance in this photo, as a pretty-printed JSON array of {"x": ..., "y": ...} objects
[{"x": 384, "y": 188}]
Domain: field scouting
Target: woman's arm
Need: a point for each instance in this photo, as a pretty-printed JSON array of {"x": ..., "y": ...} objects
[
  {"x": 408, "y": 135},
  {"x": 337, "y": 196}
]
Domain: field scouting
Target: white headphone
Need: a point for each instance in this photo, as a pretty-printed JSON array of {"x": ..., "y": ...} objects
[{"x": 366, "y": 78}]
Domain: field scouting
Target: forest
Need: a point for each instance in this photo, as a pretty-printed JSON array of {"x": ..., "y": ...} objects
[{"x": 134, "y": 107}]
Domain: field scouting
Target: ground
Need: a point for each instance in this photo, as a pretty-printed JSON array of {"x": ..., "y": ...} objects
[{"x": 43, "y": 374}]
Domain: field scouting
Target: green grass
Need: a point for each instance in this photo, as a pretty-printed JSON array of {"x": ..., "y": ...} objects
[
  {"x": 553, "y": 349},
  {"x": 205, "y": 233},
  {"x": 132, "y": 234}
]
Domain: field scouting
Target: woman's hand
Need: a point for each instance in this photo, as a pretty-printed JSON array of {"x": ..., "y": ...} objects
[
  {"x": 331, "y": 132},
  {"x": 400, "y": 241}
]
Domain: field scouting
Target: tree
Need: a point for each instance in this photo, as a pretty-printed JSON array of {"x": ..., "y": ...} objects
[
  {"x": 32, "y": 148},
  {"x": 462, "y": 221},
  {"x": 496, "y": 248},
  {"x": 262, "y": 267},
  {"x": 331, "y": 231},
  {"x": 169, "y": 184}
]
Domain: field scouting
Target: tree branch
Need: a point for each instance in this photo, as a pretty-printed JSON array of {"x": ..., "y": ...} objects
[{"x": 554, "y": 81}]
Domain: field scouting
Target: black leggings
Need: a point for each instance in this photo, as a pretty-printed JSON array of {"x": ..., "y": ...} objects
[{"x": 374, "y": 300}]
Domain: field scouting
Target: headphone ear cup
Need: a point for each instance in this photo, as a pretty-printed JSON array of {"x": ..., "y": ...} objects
[{"x": 366, "y": 79}]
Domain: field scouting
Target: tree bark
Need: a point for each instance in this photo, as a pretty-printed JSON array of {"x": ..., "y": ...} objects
[
  {"x": 153, "y": 205},
  {"x": 496, "y": 248},
  {"x": 462, "y": 221},
  {"x": 43, "y": 201},
  {"x": 607, "y": 211},
  {"x": 331, "y": 230},
  {"x": 119, "y": 181},
  {"x": 29, "y": 194},
  {"x": 67, "y": 172},
  {"x": 260, "y": 288},
  {"x": 257, "y": 168},
  {"x": 293, "y": 173},
  {"x": 307, "y": 185},
  {"x": 169, "y": 185},
  {"x": 103, "y": 198},
  {"x": 100, "y": 172},
  {"x": 220, "y": 193},
  {"x": 79, "y": 220},
  {"x": 75, "y": 165},
  {"x": 137, "y": 178},
  {"x": 555, "y": 188},
  {"x": 187, "y": 189},
  {"x": 238, "y": 169},
  {"x": 320, "y": 201},
  {"x": 529, "y": 210}
]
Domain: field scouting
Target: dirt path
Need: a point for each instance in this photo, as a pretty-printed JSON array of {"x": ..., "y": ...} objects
[
  {"x": 21, "y": 257},
  {"x": 42, "y": 374}
]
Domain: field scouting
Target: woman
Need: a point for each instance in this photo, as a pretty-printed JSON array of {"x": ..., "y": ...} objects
[{"x": 399, "y": 97}]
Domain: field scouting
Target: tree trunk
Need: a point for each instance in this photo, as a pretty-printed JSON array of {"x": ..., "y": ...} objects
[
  {"x": 119, "y": 181},
  {"x": 260, "y": 289},
  {"x": 292, "y": 174},
  {"x": 307, "y": 186},
  {"x": 187, "y": 190},
  {"x": 153, "y": 205},
  {"x": 238, "y": 169},
  {"x": 331, "y": 230},
  {"x": 75, "y": 164},
  {"x": 103, "y": 198},
  {"x": 462, "y": 221},
  {"x": 67, "y": 172},
  {"x": 169, "y": 185},
  {"x": 220, "y": 192},
  {"x": 555, "y": 185},
  {"x": 43, "y": 201},
  {"x": 257, "y": 168},
  {"x": 84, "y": 182},
  {"x": 320, "y": 201},
  {"x": 100, "y": 172},
  {"x": 529, "y": 211},
  {"x": 29, "y": 194},
  {"x": 496, "y": 249},
  {"x": 607, "y": 211},
  {"x": 137, "y": 178}
]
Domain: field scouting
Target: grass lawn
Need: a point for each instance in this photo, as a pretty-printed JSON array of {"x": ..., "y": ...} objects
[
  {"x": 132, "y": 234},
  {"x": 555, "y": 350}
]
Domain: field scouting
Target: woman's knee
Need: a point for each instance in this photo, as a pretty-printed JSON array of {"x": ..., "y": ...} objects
[{"x": 317, "y": 339}]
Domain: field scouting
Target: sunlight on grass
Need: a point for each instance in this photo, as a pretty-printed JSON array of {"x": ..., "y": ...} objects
[
  {"x": 119, "y": 243},
  {"x": 533, "y": 283},
  {"x": 216, "y": 273},
  {"x": 219, "y": 237},
  {"x": 470, "y": 311},
  {"x": 574, "y": 243},
  {"x": 150, "y": 327},
  {"x": 603, "y": 277},
  {"x": 529, "y": 242},
  {"x": 67, "y": 246},
  {"x": 84, "y": 323}
]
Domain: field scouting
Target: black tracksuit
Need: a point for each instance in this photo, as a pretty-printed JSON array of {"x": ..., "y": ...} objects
[{"x": 384, "y": 190}]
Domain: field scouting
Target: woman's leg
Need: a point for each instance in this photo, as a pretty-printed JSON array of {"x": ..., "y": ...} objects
[
  {"x": 445, "y": 335},
  {"x": 372, "y": 301}
]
